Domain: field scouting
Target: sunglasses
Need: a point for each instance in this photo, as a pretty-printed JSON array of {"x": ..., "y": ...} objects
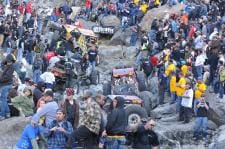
[{"x": 152, "y": 125}]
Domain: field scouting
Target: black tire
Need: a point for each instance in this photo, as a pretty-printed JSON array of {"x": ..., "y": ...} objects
[
  {"x": 107, "y": 89},
  {"x": 94, "y": 78},
  {"x": 146, "y": 97},
  {"x": 142, "y": 82},
  {"x": 135, "y": 114}
]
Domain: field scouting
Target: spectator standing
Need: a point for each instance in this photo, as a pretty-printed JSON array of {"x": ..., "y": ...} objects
[
  {"x": 186, "y": 103},
  {"x": 145, "y": 137},
  {"x": 201, "y": 120},
  {"x": 88, "y": 131},
  {"x": 70, "y": 108},
  {"x": 116, "y": 125},
  {"x": 6, "y": 81},
  {"x": 59, "y": 132}
]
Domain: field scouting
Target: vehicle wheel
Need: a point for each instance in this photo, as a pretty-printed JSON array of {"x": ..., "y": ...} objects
[
  {"x": 142, "y": 82},
  {"x": 135, "y": 114},
  {"x": 146, "y": 97},
  {"x": 94, "y": 78},
  {"x": 107, "y": 88}
]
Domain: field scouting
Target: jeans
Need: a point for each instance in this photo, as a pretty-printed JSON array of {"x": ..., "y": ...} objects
[
  {"x": 221, "y": 90},
  {"x": 36, "y": 76},
  {"x": 115, "y": 143},
  {"x": 8, "y": 50},
  {"x": 199, "y": 70},
  {"x": 28, "y": 15},
  {"x": 133, "y": 38},
  {"x": 185, "y": 114},
  {"x": 216, "y": 85},
  {"x": 93, "y": 64},
  {"x": 200, "y": 127},
  {"x": 196, "y": 101},
  {"x": 4, "y": 91},
  {"x": 173, "y": 97},
  {"x": 29, "y": 57},
  {"x": 20, "y": 54},
  {"x": 40, "y": 26},
  {"x": 178, "y": 103},
  {"x": 48, "y": 86}
]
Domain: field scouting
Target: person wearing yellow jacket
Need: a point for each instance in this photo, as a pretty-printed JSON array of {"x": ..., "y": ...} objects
[
  {"x": 200, "y": 89},
  {"x": 173, "y": 81},
  {"x": 180, "y": 90},
  {"x": 184, "y": 69}
]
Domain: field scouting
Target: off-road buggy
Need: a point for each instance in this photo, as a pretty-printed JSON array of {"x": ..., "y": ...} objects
[
  {"x": 65, "y": 69},
  {"x": 127, "y": 81}
]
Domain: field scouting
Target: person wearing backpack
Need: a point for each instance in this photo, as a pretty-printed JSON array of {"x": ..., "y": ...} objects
[
  {"x": 221, "y": 80},
  {"x": 59, "y": 131}
]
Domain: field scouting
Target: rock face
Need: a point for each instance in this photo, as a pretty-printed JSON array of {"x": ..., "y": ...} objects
[
  {"x": 121, "y": 37},
  {"x": 10, "y": 130},
  {"x": 158, "y": 13},
  {"x": 110, "y": 20},
  {"x": 174, "y": 134}
]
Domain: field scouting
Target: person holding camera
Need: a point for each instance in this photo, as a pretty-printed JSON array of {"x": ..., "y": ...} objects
[
  {"x": 145, "y": 137},
  {"x": 201, "y": 120},
  {"x": 59, "y": 131}
]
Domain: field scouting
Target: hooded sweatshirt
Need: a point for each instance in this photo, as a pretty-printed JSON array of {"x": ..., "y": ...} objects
[{"x": 116, "y": 120}]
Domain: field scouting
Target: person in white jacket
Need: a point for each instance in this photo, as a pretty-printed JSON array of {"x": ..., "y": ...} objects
[
  {"x": 49, "y": 79},
  {"x": 186, "y": 104}
]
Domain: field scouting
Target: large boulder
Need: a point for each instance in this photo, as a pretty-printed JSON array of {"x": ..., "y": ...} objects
[
  {"x": 158, "y": 13},
  {"x": 121, "y": 37},
  {"x": 11, "y": 130},
  {"x": 110, "y": 20},
  {"x": 219, "y": 139}
]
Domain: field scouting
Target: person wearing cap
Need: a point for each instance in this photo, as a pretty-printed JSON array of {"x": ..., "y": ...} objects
[
  {"x": 6, "y": 81},
  {"x": 70, "y": 108},
  {"x": 199, "y": 63},
  {"x": 186, "y": 103},
  {"x": 59, "y": 131},
  {"x": 116, "y": 125},
  {"x": 89, "y": 125},
  {"x": 145, "y": 137},
  {"x": 48, "y": 110}
]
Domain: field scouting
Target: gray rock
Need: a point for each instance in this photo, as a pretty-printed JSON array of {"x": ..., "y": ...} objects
[
  {"x": 121, "y": 37},
  {"x": 163, "y": 111},
  {"x": 110, "y": 20}
]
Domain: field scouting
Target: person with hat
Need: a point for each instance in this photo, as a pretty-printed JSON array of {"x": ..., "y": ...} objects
[
  {"x": 48, "y": 110},
  {"x": 59, "y": 131},
  {"x": 70, "y": 108},
  {"x": 6, "y": 81},
  {"x": 90, "y": 121}
]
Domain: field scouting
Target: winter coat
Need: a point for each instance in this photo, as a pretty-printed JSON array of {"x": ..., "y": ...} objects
[{"x": 116, "y": 120}]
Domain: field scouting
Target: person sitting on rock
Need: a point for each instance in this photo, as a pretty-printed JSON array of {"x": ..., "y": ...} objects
[
  {"x": 24, "y": 103},
  {"x": 29, "y": 137}
]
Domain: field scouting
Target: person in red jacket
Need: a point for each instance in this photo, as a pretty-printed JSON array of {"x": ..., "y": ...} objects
[
  {"x": 21, "y": 8},
  {"x": 28, "y": 11},
  {"x": 88, "y": 4},
  {"x": 192, "y": 32}
]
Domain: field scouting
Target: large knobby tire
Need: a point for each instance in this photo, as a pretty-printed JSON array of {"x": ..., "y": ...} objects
[
  {"x": 134, "y": 114},
  {"x": 146, "y": 97},
  {"x": 107, "y": 88},
  {"x": 142, "y": 82},
  {"x": 94, "y": 78}
]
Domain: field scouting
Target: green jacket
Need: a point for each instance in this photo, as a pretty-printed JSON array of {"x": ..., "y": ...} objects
[{"x": 24, "y": 104}]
